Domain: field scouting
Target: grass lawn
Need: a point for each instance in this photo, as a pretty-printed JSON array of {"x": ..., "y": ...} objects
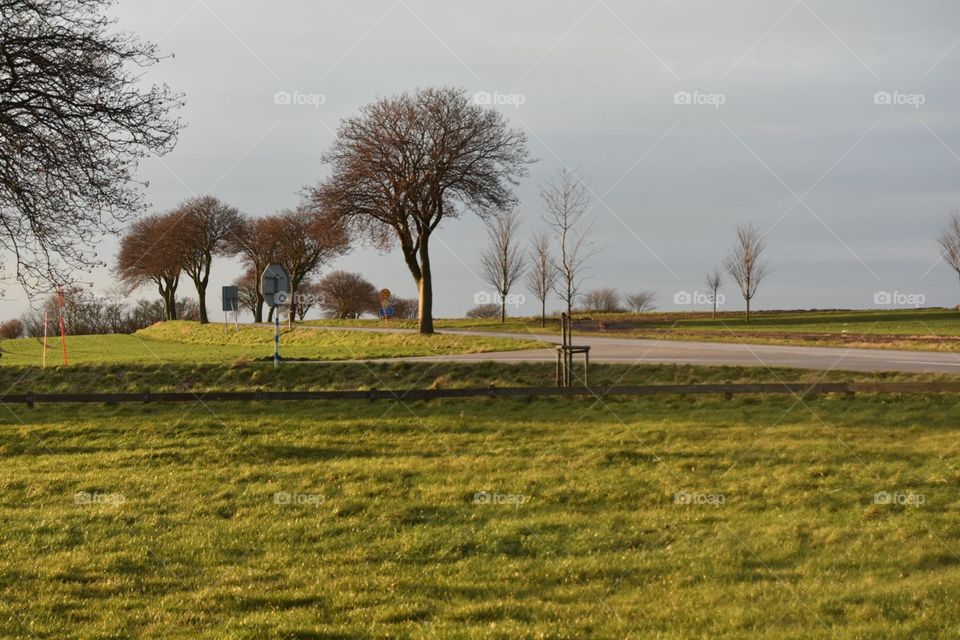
[
  {"x": 190, "y": 342},
  {"x": 920, "y": 329},
  {"x": 663, "y": 517}
]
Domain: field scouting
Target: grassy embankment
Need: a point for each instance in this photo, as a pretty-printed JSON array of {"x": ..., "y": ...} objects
[{"x": 176, "y": 342}]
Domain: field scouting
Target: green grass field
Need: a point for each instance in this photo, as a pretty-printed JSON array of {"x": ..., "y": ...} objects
[
  {"x": 920, "y": 329},
  {"x": 190, "y": 342},
  {"x": 666, "y": 517}
]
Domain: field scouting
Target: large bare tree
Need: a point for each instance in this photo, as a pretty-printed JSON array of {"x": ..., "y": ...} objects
[
  {"x": 503, "y": 262},
  {"x": 743, "y": 263},
  {"x": 309, "y": 239},
  {"x": 407, "y": 163},
  {"x": 149, "y": 252},
  {"x": 542, "y": 275},
  {"x": 74, "y": 121},
  {"x": 949, "y": 241},
  {"x": 204, "y": 224},
  {"x": 566, "y": 201}
]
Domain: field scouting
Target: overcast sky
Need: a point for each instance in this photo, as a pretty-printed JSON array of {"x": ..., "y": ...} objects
[{"x": 833, "y": 126}]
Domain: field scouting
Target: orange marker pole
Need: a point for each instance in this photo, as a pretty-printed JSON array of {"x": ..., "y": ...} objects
[{"x": 63, "y": 326}]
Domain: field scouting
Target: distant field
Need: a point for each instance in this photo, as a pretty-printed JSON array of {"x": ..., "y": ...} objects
[
  {"x": 666, "y": 517},
  {"x": 190, "y": 342},
  {"x": 921, "y": 329}
]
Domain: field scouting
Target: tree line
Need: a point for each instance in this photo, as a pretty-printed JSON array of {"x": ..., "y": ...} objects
[
  {"x": 75, "y": 118},
  {"x": 162, "y": 248}
]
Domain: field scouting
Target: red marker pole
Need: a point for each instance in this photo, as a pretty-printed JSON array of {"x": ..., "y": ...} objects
[
  {"x": 63, "y": 326},
  {"x": 46, "y": 323}
]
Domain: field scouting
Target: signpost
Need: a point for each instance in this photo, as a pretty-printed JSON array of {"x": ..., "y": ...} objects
[
  {"x": 275, "y": 284},
  {"x": 231, "y": 302},
  {"x": 386, "y": 309}
]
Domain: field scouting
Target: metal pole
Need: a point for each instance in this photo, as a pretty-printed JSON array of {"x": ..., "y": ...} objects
[{"x": 276, "y": 337}]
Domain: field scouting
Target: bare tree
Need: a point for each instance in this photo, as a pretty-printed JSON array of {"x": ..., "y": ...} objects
[
  {"x": 949, "y": 241},
  {"x": 641, "y": 301},
  {"x": 74, "y": 121},
  {"x": 255, "y": 240},
  {"x": 542, "y": 275},
  {"x": 308, "y": 297},
  {"x": 713, "y": 284},
  {"x": 605, "y": 300},
  {"x": 743, "y": 262},
  {"x": 203, "y": 225},
  {"x": 404, "y": 308},
  {"x": 347, "y": 295},
  {"x": 405, "y": 164},
  {"x": 486, "y": 311},
  {"x": 149, "y": 252},
  {"x": 309, "y": 240},
  {"x": 566, "y": 200},
  {"x": 503, "y": 262},
  {"x": 248, "y": 293}
]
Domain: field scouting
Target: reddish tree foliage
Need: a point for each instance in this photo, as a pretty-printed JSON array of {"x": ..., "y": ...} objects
[
  {"x": 308, "y": 240},
  {"x": 347, "y": 295},
  {"x": 203, "y": 225},
  {"x": 256, "y": 241},
  {"x": 150, "y": 252}
]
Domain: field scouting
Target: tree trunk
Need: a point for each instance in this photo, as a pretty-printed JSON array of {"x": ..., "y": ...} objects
[
  {"x": 292, "y": 305},
  {"x": 270, "y": 314},
  {"x": 543, "y": 312},
  {"x": 714, "y": 315},
  {"x": 503, "y": 310},
  {"x": 748, "y": 310},
  {"x": 202, "y": 301},
  {"x": 258, "y": 309},
  {"x": 425, "y": 285},
  {"x": 168, "y": 294}
]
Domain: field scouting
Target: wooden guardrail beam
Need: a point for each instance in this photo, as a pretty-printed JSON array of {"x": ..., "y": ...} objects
[{"x": 792, "y": 388}]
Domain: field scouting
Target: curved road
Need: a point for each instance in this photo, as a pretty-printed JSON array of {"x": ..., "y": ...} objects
[{"x": 637, "y": 351}]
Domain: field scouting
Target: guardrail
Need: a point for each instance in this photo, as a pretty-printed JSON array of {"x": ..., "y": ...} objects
[{"x": 792, "y": 388}]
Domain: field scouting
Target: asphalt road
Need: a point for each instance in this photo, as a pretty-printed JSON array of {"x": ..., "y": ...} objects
[{"x": 636, "y": 351}]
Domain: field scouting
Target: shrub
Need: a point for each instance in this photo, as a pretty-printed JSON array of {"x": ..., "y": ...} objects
[
  {"x": 605, "y": 300},
  {"x": 11, "y": 329},
  {"x": 489, "y": 310}
]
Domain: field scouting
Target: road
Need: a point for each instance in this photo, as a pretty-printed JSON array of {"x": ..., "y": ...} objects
[{"x": 637, "y": 351}]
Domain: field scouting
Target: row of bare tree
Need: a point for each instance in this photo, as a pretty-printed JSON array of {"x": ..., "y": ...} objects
[
  {"x": 547, "y": 270},
  {"x": 160, "y": 248},
  {"x": 544, "y": 270}
]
